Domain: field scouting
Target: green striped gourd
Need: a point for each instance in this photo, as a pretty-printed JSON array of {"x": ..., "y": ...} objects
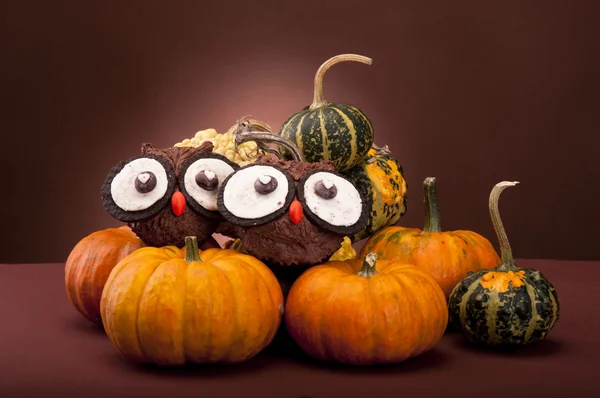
[
  {"x": 504, "y": 306},
  {"x": 340, "y": 133},
  {"x": 380, "y": 177}
]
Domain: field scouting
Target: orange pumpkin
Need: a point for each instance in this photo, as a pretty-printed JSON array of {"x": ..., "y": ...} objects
[
  {"x": 447, "y": 256},
  {"x": 363, "y": 313},
  {"x": 170, "y": 306},
  {"x": 89, "y": 264}
]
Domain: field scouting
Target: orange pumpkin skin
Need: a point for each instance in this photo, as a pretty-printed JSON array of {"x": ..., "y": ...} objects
[
  {"x": 159, "y": 308},
  {"x": 447, "y": 256},
  {"x": 89, "y": 264},
  {"x": 334, "y": 314}
]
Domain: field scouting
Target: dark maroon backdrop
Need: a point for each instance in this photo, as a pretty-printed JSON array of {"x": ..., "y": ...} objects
[{"x": 470, "y": 92}]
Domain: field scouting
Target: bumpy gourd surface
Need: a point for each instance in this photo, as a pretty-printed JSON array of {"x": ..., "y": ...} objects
[
  {"x": 504, "y": 308},
  {"x": 224, "y": 144},
  {"x": 381, "y": 178}
]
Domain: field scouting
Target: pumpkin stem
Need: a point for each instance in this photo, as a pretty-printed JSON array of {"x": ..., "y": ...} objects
[
  {"x": 368, "y": 267},
  {"x": 263, "y": 138},
  {"x": 191, "y": 249},
  {"x": 318, "y": 100},
  {"x": 432, "y": 207},
  {"x": 508, "y": 262}
]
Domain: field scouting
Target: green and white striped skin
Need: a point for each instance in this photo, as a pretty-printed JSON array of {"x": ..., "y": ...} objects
[
  {"x": 487, "y": 314},
  {"x": 340, "y": 133},
  {"x": 504, "y": 306}
]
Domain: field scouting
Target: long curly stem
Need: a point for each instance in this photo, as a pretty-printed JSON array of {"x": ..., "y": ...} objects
[
  {"x": 508, "y": 262},
  {"x": 318, "y": 100},
  {"x": 261, "y": 137}
]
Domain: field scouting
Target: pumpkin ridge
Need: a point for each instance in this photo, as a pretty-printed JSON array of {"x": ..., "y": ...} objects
[
  {"x": 472, "y": 284},
  {"x": 404, "y": 292},
  {"x": 137, "y": 311},
  {"x": 361, "y": 145},
  {"x": 227, "y": 352},
  {"x": 83, "y": 276},
  {"x": 352, "y": 130},
  {"x": 299, "y": 138},
  {"x": 148, "y": 294},
  {"x": 206, "y": 340},
  {"x": 374, "y": 296},
  {"x": 80, "y": 276},
  {"x": 184, "y": 314},
  {"x": 324, "y": 137},
  {"x": 532, "y": 322},
  {"x": 328, "y": 352},
  {"x": 264, "y": 310},
  {"x": 344, "y": 319},
  {"x": 256, "y": 264}
]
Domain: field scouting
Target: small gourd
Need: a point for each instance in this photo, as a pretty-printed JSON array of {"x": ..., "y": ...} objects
[
  {"x": 337, "y": 132},
  {"x": 507, "y": 305},
  {"x": 380, "y": 177},
  {"x": 445, "y": 255},
  {"x": 224, "y": 143},
  {"x": 169, "y": 306},
  {"x": 89, "y": 264},
  {"x": 365, "y": 312}
]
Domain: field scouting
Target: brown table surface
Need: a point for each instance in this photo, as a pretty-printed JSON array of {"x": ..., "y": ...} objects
[{"x": 47, "y": 349}]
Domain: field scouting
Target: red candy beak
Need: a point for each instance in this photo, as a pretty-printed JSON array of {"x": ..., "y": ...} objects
[
  {"x": 296, "y": 212},
  {"x": 178, "y": 203}
]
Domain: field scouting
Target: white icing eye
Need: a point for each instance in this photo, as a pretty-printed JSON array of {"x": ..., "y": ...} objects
[
  {"x": 332, "y": 199},
  {"x": 140, "y": 184},
  {"x": 255, "y": 192},
  {"x": 202, "y": 180}
]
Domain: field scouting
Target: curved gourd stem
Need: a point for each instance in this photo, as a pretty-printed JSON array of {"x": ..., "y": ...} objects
[
  {"x": 191, "y": 249},
  {"x": 508, "y": 262},
  {"x": 269, "y": 138},
  {"x": 383, "y": 150},
  {"x": 368, "y": 267},
  {"x": 432, "y": 207},
  {"x": 318, "y": 100},
  {"x": 247, "y": 124},
  {"x": 246, "y": 121}
]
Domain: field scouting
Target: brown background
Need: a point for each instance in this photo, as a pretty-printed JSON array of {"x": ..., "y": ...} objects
[{"x": 470, "y": 92}]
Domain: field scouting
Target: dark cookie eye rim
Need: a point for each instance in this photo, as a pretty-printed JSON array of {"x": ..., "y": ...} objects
[
  {"x": 129, "y": 216},
  {"x": 352, "y": 229},
  {"x": 248, "y": 222},
  {"x": 191, "y": 202},
  {"x": 205, "y": 155}
]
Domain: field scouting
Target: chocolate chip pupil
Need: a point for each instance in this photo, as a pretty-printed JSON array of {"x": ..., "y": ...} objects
[
  {"x": 145, "y": 182},
  {"x": 265, "y": 184},
  {"x": 207, "y": 180},
  {"x": 324, "y": 192}
]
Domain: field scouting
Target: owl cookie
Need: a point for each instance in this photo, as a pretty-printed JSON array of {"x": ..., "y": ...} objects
[
  {"x": 167, "y": 194},
  {"x": 290, "y": 212}
]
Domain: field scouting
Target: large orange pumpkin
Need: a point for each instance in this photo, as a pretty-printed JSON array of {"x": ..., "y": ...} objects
[
  {"x": 170, "y": 306},
  {"x": 447, "y": 256},
  {"x": 89, "y": 264},
  {"x": 363, "y": 313}
]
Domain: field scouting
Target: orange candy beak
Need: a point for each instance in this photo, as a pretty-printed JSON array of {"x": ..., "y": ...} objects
[
  {"x": 296, "y": 212},
  {"x": 178, "y": 203}
]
